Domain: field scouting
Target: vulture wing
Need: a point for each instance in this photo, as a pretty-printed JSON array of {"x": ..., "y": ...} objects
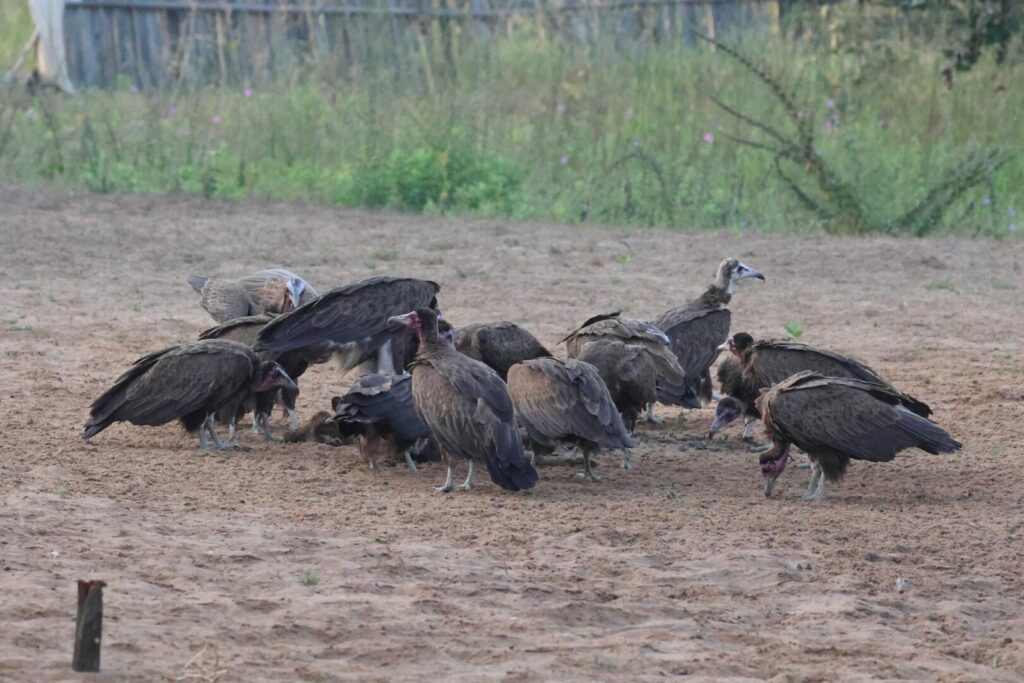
[
  {"x": 103, "y": 411},
  {"x": 772, "y": 361},
  {"x": 695, "y": 336},
  {"x": 558, "y": 400},
  {"x": 244, "y": 330},
  {"x": 224, "y": 300},
  {"x": 356, "y": 313},
  {"x": 862, "y": 420},
  {"x": 467, "y": 408},
  {"x": 378, "y": 398}
]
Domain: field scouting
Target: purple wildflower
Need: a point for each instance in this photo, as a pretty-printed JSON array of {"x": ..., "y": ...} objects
[
  {"x": 215, "y": 119},
  {"x": 709, "y": 138},
  {"x": 30, "y": 113},
  {"x": 560, "y": 108},
  {"x": 247, "y": 92},
  {"x": 172, "y": 111}
]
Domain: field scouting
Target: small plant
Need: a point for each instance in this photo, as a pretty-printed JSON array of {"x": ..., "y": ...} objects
[
  {"x": 794, "y": 329},
  {"x": 310, "y": 577},
  {"x": 673, "y": 494}
]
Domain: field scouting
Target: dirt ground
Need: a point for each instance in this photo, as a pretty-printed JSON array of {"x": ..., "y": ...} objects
[{"x": 677, "y": 567}]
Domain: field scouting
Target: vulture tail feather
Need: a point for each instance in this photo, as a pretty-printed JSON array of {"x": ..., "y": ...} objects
[{"x": 197, "y": 282}]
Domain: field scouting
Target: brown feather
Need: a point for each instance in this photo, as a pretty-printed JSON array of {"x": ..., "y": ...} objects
[{"x": 499, "y": 345}]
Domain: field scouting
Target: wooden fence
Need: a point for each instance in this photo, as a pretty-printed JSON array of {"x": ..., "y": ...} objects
[{"x": 175, "y": 43}]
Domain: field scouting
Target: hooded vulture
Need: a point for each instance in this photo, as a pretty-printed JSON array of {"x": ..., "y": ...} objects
[
  {"x": 672, "y": 384},
  {"x": 379, "y": 410},
  {"x": 278, "y": 290},
  {"x": 629, "y": 372},
  {"x": 189, "y": 383},
  {"x": 467, "y": 408},
  {"x": 498, "y": 345},
  {"x": 768, "y": 361},
  {"x": 737, "y": 399},
  {"x": 838, "y": 419},
  {"x": 224, "y": 300},
  {"x": 295, "y": 363},
  {"x": 566, "y": 401},
  {"x": 352, "y": 321},
  {"x": 697, "y": 329}
]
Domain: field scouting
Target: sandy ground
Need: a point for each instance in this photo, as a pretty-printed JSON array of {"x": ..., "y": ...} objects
[{"x": 680, "y": 566}]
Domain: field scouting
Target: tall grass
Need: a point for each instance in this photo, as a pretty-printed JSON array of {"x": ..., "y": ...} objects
[{"x": 533, "y": 127}]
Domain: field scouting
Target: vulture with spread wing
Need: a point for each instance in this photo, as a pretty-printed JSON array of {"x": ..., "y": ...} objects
[
  {"x": 672, "y": 387},
  {"x": 838, "y": 419},
  {"x": 499, "y": 345},
  {"x": 696, "y": 330},
  {"x": 566, "y": 401},
  {"x": 467, "y": 408},
  {"x": 379, "y": 410},
  {"x": 352, "y": 321},
  {"x": 190, "y": 383}
]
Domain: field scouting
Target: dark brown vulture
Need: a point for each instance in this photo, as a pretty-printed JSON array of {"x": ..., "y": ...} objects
[
  {"x": 190, "y": 383},
  {"x": 697, "y": 329},
  {"x": 768, "y": 361},
  {"x": 838, "y": 419},
  {"x": 379, "y": 410},
  {"x": 295, "y": 363},
  {"x": 316, "y": 429},
  {"x": 566, "y": 401},
  {"x": 467, "y": 408},
  {"x": 352, "y": 321},
  {"x": 672, "y": 384},
  {"x": 224, "y": 300},
  {"x": 630, "y": 374},
  {"x": 737, "y": 399},
  {"x": 498, "y": 345}
]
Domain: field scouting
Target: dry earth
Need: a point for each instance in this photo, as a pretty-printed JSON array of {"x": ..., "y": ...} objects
[{"x": 680, "y": 566}]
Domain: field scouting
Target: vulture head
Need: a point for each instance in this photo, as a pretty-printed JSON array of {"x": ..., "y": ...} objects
[
  {"x": 422, "y": 321},
  {"x": 273, "y": 375},
  {"x": 731, "y": 271},
  {"x": 726, "y": 412},
  {"x": 294, "y": 288},
  {"x": 772, "y": 464},
  {"x": 446, "y": 333},
  {"x": 740, "y": 342}
]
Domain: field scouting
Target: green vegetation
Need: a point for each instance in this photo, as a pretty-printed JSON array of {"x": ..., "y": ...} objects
[{"x": 530, "y": 127}]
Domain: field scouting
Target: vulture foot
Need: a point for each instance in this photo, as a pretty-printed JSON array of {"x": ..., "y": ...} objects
[
  {"x": 589, "y": 475},
  {"x": 627, "y": 463},
  {"x": 468, "y": 484},
  {"x": 447, "y": 486},
  {"x": 293, "y": 420},
  {"x": 651, "y": 417}
]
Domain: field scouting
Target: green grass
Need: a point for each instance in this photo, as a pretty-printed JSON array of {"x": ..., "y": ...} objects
[{"x": 532, "y": 128}]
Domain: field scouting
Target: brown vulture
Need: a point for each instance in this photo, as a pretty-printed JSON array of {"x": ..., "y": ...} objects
[
  {"x": 696, "y": 330},
  {"x": 672, "y": 385},
  {"x": 566, "y": 401},
  {"x": 467, "y": 408},
  {"x": 278, "y": 290},
  {"x": 295, "y": 363},
  {"x": 837, "y": 419},
  {"x": 224, "y": 300},
  {"x": 629, "y": 372},
  {"x": 737, "y": 399},
  {"x": 352, "y": 321},
  {"x": 190, "y": 383},
  {"x": 379, "y": 410},
  {"x": 498, "y": 345},
  {"x": 768, "y": 361}
]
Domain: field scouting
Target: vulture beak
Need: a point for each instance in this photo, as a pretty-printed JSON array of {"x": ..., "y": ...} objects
[
  {"x": 769, "y": 484},
  {"x": 744, "y": 272},
  {"x": 295, "y": 292},
  {"x": 405, "y": 320}
]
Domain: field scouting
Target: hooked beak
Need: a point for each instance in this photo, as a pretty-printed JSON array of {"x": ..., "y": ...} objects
[
  {"x": 396, "y": 320},
  {"x": 749, "y": 273},
  {"x": 769, "y": 484},
  {"x": 287, "y": 383}
]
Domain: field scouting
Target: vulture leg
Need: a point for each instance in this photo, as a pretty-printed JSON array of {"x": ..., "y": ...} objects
[
  {"x": 257, "y": 423},
  {"x": 409, "y": 462},
  {"x": 588, "y": 472},
  {"x": 267, "y": 435},
  {"x": 208, "y": 425},
  {"x": 651, "y": 417},
  {"x": 627, "y": 463},
  {"x": 447, "y": 487},
  {"x": 748, "y": 428},
  {"x": 816, "y": 487},
  {"x": 202, "y": 438},
  {"x": 468, "y": 484},
  {"x": 232, "y": 435},
  {"x": 293, "y": 419},
  {"x": 717, "y": 396}
]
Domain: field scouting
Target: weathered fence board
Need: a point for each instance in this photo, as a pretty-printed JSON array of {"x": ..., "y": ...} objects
[{"x": 181, "y": 43}]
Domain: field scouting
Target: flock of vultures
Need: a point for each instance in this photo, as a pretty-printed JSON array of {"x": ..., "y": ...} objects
[{"x": 484, "y": 393}]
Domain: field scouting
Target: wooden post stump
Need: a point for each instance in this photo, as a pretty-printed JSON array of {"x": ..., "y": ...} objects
[{"x": 89, "y": 626}]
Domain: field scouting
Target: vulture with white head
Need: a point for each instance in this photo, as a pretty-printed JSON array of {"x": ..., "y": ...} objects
[
  {"x": 836, "y": 420},
  {"x": 697, "y": 329}
]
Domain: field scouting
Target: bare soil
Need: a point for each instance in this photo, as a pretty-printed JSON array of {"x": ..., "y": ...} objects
[{"x": 680, "y": 566}]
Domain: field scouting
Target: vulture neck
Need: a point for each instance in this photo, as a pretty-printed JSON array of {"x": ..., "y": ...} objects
[
  {"x": 430, "y": 343},
  {"x": 719, "y": 294}
]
